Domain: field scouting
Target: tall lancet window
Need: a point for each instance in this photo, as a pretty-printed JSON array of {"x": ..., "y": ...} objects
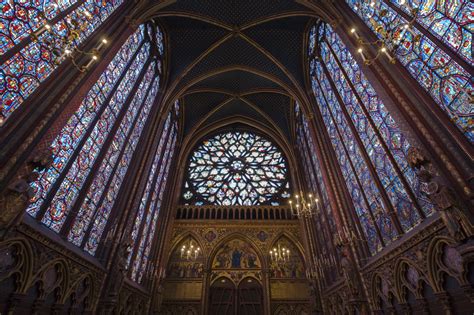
[
  {"x": 236, "y": 168},
  {"x": 75, "y": 196},
  {"x": 144, "y": 227},
  {"x": 370, "y": 147},
  {"x": 324, "y": 221},
  {"x": 30, "y": 45},
  {"x": 437, "y": 50}
]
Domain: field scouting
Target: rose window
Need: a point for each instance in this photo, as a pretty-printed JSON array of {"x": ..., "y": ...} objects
[{"x": 236, "y": 168}]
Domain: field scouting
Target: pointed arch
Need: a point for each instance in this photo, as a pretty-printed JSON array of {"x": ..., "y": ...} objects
[{"x": 231, "y": 237}]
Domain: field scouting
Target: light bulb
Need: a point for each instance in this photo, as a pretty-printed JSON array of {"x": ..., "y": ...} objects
[
  {"x": 359, "y": 50},
  {"x": 353, "y": 30},
  {"x": 104, "y": 41}
]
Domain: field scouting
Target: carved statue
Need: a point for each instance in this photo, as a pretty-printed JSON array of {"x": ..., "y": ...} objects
[
  {"x": 15, "y": 198},
  {"x": 118, "y": 270},
  {"x": 350, "y": 274},
  {"x": 455, "y": 218}
]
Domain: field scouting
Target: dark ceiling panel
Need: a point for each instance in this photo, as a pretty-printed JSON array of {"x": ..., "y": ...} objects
[
  {"x": 276, "y": 106},
  {"x": 197, "y": 105},
  {"x": 236, "y": 108},
  {"x": 236, "y": 81},
  {"x": 235, "y": 52},
  {"x": 237, "y": 12},
  {"x": 283, "y": 38},
  {"x": 189, "y": 38}
]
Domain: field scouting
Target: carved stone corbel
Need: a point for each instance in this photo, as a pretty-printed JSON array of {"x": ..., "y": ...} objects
[
  {"x": 444, "y": 199},
  {"x": 15, "y": 198}
]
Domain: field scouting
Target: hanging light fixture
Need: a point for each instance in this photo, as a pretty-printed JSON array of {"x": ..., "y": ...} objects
[
  {"x": 304, "y": 207},
  {"x": 189, "y": 251},
  {"x": 280, "y": 255},
  {"x": 389, "y": 39},
  {"x": 62, "y": 38}
]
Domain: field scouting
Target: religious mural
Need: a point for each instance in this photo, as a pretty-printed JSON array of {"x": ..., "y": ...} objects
[
  {"x": 289, "y": 265},
  {"x": 236, "y": 254},
  {"x": 185, "y": 263}
]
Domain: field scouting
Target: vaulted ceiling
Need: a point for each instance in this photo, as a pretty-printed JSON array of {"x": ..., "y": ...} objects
[{"x": 240, "y": 58}]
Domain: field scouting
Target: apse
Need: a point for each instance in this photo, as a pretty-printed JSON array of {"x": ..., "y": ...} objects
[{"x": 236, "y": 157}]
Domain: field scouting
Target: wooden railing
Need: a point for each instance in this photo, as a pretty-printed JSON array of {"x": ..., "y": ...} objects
[{"x": 234, "y": 213}]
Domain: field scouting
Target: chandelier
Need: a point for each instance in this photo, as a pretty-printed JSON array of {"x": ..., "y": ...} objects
[
  {"x": 63, "y": 39},
  {"x": 389, "y": 38},
  {"x": 189, "y": 251},
  {"x": 304, "y": 207},
  {"x": 280, "y": 255}
]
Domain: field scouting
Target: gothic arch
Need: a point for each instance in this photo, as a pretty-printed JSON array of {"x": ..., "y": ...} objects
[
  {"x": 292, "y": 239},
  {"x": 88, "y": 289},
  {"x": 182, "y": 237},
  {"x": 22, "y": 269},
  {"x": 59, "y": 269},
  {"x": 232, "y": 237},
  {"x": 404, "y": 281},
  {"x": 437, "y": 266},
  {"x": 190, "y": 142}
]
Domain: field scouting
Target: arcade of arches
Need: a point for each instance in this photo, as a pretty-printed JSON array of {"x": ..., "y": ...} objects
[{"x": 236, "y": 157}]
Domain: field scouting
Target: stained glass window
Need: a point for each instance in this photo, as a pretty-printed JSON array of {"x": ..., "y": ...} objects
[
  {"x": 324, "y": 219},
  {"x": 93, "y": 151},
  {"x": 429, "y": 59},
  {"x": 144, "y": 227},
  {"x": 370, "y": 147},
  {"x": 236, "y": 168},
  {"x": 25, "y": 62}
]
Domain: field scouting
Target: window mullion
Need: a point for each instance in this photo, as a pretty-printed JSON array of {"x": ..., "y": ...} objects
[
  {"x": 74, "y": 210},
  {"x": 389, "y": 154},
  {"x": 160, "y": 199},
  {"x": 443, "y": 46},
  {"x": 156, "y": 208},
  {"x": 149, "y": 199},
  {"x": 28, "y": 39},
  {"x": 55, "y": 187},
  {"x": 86, "y": 187},
  {"x": 370, "y": 166},
  {"x": 356, "y": 176},
  {"x": 318, "y": 188}
]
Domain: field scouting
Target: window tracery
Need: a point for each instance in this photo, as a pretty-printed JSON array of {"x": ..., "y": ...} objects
[
  {"x": 236, "y": 168},
  {"x": 370, "y": 147},
  {"x": 32, "y": 60},
  {"x": 444, "y": 30},
  {"x": 93, "y": 151}
]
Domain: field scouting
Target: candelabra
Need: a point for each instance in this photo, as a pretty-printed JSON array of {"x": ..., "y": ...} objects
[
  {"x": 189, "y": 251},
  {"x": 389, "y": 38},
  {"x": 280, "y": 255},
  {"x": 303, "y": 207},
  {"x": 62, "y": 38},
  {"x": 346, "y": 237}
]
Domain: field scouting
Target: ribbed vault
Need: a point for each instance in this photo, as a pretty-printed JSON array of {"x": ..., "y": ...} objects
[{"x": 235, "y": 58}]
